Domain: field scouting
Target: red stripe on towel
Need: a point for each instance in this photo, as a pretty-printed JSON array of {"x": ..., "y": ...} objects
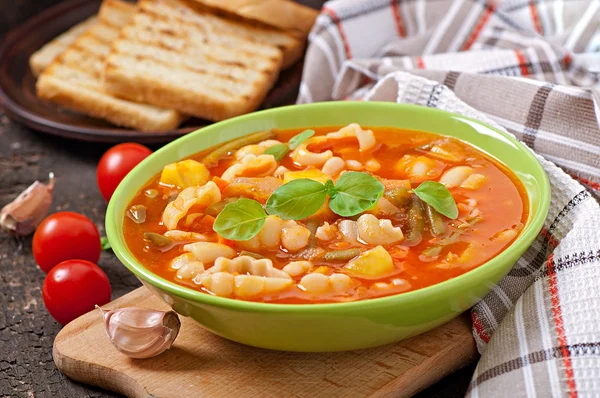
[
  {"x": 479, "y": 328},
  {"x": 534, "y": 17},
  {"x": 338, "y": 23},
  {"x": 477, "y": 31},
  {"x": 522, "y": 65},
  {"x": 560, "y": 328},
  {"x": 398, "y": 18}
]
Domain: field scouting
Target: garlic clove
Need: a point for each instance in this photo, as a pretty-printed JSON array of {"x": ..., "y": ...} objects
[
  {"x": 140, "y": 332},
  {"x": 22, "y": 216}
]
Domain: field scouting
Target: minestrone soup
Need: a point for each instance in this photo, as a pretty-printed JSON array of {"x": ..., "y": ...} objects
[{"x": 325, "y": 215}]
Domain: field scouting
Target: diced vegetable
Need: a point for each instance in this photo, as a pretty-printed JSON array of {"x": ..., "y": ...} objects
[
  {"x": 311, "y": 174},
  {"x": 185, "y": 173},
  {"x": 216, "y": 208},
  {"x": 398, "y": 196},
  {"x": 212, "y": 159},
  {"x": 416, "y": 222},
  {"x": 221, "y": 183},
  {"x": 389, "y": 184},
  {"x": 371, "y": 264},
  {"x": 157, "y": 241},
  {"x": 341, "y": 255},
  {"x": 137, "y": 213},
  {"x": 436, "y": 222}
]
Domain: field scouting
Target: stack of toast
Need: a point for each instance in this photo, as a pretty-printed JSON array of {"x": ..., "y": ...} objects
[{"x": 150, "y": 65}]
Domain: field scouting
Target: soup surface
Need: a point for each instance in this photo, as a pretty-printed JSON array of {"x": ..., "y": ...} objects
[{"x": 291, "y": 245}]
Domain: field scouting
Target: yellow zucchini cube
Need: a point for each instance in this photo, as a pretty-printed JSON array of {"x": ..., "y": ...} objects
[
  {"x": 185, "y": 173},
  {"x": 372, "y": 264}
]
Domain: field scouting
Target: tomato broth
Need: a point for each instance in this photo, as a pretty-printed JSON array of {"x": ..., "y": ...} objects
[{"x": 491, "y": 203}]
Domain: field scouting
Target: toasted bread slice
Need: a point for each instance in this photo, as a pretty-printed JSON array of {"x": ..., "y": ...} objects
[
  {"x": 291, "y": 46},
  {"x": 74, "y": 79},
  {"x": 197, "y": 68},
  {"x": 43, "y": 57},
  {"x": 284, "y": 15}
]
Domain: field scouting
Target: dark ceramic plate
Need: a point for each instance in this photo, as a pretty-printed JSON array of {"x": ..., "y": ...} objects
[{"x": 17, "y": 83}]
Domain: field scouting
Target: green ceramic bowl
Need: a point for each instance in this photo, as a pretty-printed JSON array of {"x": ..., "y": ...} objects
[{"x": 339, "y": 326}]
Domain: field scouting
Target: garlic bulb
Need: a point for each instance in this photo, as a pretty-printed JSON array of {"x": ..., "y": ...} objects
[
  {"x": 141, "y": 332},
  {"x": 22, "y": 216}
]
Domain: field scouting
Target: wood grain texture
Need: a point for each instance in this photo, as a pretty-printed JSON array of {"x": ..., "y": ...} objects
[{"x": 202, "y": 364}]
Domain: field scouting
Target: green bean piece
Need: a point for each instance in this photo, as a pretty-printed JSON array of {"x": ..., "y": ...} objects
[
  {"x": 251, "y": 254},
  {"x": 312, "y": 225},
  {"x": 216, "y": 208},
  {"x": 212, "y": 159},
  {"x": 398, "y": 196},
  {"x": 416, "y": 221},
  {"x": 157, "y": 240},
  {"x": 341, "y": 255},
  {"x": 435, "y": 220}
]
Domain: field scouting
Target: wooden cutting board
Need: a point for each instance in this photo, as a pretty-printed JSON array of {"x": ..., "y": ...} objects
[{"x": 201, "y": 364}]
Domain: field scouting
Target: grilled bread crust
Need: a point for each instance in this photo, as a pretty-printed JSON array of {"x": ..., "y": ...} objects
[
  {"x": 75, "y": 78},
  {"x": 291, "y": 44},
  {"x": 208, "y": 66},
  {"x": 43, "y": 57},
  {"x": 285, "y": 15}
]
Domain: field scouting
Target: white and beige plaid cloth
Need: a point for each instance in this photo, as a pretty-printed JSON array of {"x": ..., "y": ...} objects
[{"x": 530, "y": 68}]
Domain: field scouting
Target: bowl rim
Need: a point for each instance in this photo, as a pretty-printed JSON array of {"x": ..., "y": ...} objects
[{"x": 119, "y": 247}]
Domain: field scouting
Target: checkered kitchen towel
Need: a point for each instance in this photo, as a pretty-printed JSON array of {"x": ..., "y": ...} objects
[{"x": 527, "y": 67}]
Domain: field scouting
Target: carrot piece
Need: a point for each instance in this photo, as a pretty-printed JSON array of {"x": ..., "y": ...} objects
[
  {"x": 221, "y": 183},
  {"x": 225, "y": 241},
  {"x": 207, "y": 222}
]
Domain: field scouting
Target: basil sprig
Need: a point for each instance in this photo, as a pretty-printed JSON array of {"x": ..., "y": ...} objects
[
  {"x": 437, "y": 196},
  {"x": 353, "y": 193},
  {"x": 297, "y": 199},
  {"x": 240, "y": 220},
  {"x": 298, "y": 139},
  {"x": 280, "y": 150}
]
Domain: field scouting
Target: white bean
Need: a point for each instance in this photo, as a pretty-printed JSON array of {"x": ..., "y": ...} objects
[
  {"x": 333, "y": 166},
  {"x": 455, "y": 176}
]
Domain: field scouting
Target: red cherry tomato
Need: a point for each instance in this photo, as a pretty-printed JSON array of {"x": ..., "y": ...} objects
[
  {"x": 65, "y": 236},
  {"x": 73, "y": 288},
  {"x": 116, "y": 163}
]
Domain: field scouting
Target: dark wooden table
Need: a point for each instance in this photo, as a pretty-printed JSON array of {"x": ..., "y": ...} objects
[{"x": 26, "y": 330}]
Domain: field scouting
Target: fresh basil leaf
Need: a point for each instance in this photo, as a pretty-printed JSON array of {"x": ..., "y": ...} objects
[
  {"x": 330, "y": 188},
  {"x": 297, "y": 199},
  {"x": 437, "y": 196},
  {"x": 355, "y": 193},
  {"x": 278, "y": 151},
  {"x": 104, "y": 243},
  {"x": 240, "y": 220},
  {"x": 298, "y": 139}
]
